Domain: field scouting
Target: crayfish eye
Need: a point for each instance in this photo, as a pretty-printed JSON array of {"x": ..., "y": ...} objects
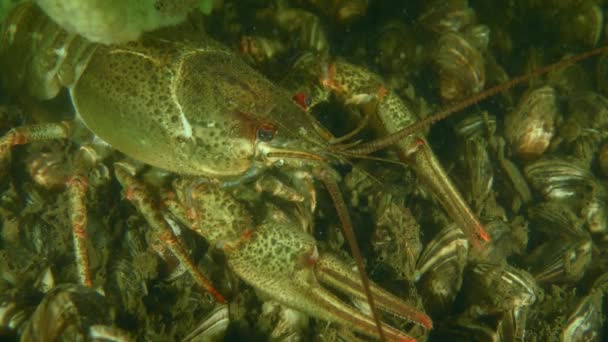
[{"x": 266, "y": 132}]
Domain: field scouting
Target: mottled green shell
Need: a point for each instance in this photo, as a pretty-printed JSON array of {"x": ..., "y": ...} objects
[
  {"x": 174, "y": 99},
  {"x": 165, "y": 104}
]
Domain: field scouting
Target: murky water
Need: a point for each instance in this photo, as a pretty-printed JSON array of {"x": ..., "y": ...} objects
[{"x": 531, "y": 163}]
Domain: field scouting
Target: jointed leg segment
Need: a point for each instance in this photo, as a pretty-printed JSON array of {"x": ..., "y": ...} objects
[{"x": 136, "y": 192}]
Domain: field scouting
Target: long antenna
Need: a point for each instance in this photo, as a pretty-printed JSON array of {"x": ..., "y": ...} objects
[
  {"x": 391, "y": 139},
  {"x": 347, "y": 228}
]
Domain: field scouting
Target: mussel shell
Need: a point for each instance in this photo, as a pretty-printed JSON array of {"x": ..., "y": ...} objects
[
  {"x": 509, "y": 326},
  {"x": 514, "y": 181},
  {"x": 596, "y": 215},
  {"x": 561, "y": 261},
  {"x": 586, "y": 147},
  {"x": 309, "y": 27},
  {"x": 601, "y": 73},
  {"x": 530, "y": 128},
  {"x": 493, "y": 288},
  {"x": 589, "y": 110},
  {"x": 559, "y": 178},
  {"x": 260, "y": 49},
  {"x": 446, "y": 16},
  {"x": 396, "y": 47},
  {"x": 603, "y": 159},
  {"x": 127, "y": 286},
  {"x": 566, "y": 254},
  {"x": 478, "y": 36},
  {"x": 440, "y": 268},
  {"x": 212, "y": 327},
  {"x": 19, "y": 267},
  {"x": 508, "y": 238},
  {"x": 479, "y": 175},
  {"x": 15, "y": 311},
  {"x": 460, "y": 65},
  {"x": 601, "y": 283},
  {"x": 586, "y": 320},
  {"x": 48, "y": 170},
  {"x": 396, "y": 237},
  {"x": 349, "y": 11},
  {"x": 570, "y": 80},
  {"x": 476, "y": 125},
  {"x": 582, "y": 25},
  {"x": 557, "y": 220},
  {"x": 67, "y": 312},
  {"x": 466, "y": 329}
]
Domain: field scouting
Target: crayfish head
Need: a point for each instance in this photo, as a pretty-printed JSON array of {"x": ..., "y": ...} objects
[{"x": 290, "y": 136}]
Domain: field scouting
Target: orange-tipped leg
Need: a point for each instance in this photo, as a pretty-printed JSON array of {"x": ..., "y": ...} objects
[
  {"x": 434, "y": 176},
  {"x": 136, "y": 192},
  {"x": 358, "y": 86}
]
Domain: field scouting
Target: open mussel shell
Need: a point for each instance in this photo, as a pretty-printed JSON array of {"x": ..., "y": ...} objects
[
  {"x": 566, "y": 254},
  {"x": 530, "y": 128},
  {"x": 440, "y": 267},
  {"x": 68, "y": 312},
  {"x": 460, "y": 65},
  {"x": 498, "y": 298},
  {"x": 493, "y": 288}
]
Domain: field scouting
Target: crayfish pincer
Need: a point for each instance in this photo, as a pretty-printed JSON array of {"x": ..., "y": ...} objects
[{"x": 191, "y": 107}]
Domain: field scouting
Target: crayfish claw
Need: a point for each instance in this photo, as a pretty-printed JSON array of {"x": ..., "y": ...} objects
[
  {"x": 329, "y": 307},
  {"x": 335, "y": 273},
  {"x": 281, "y": 262}
]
